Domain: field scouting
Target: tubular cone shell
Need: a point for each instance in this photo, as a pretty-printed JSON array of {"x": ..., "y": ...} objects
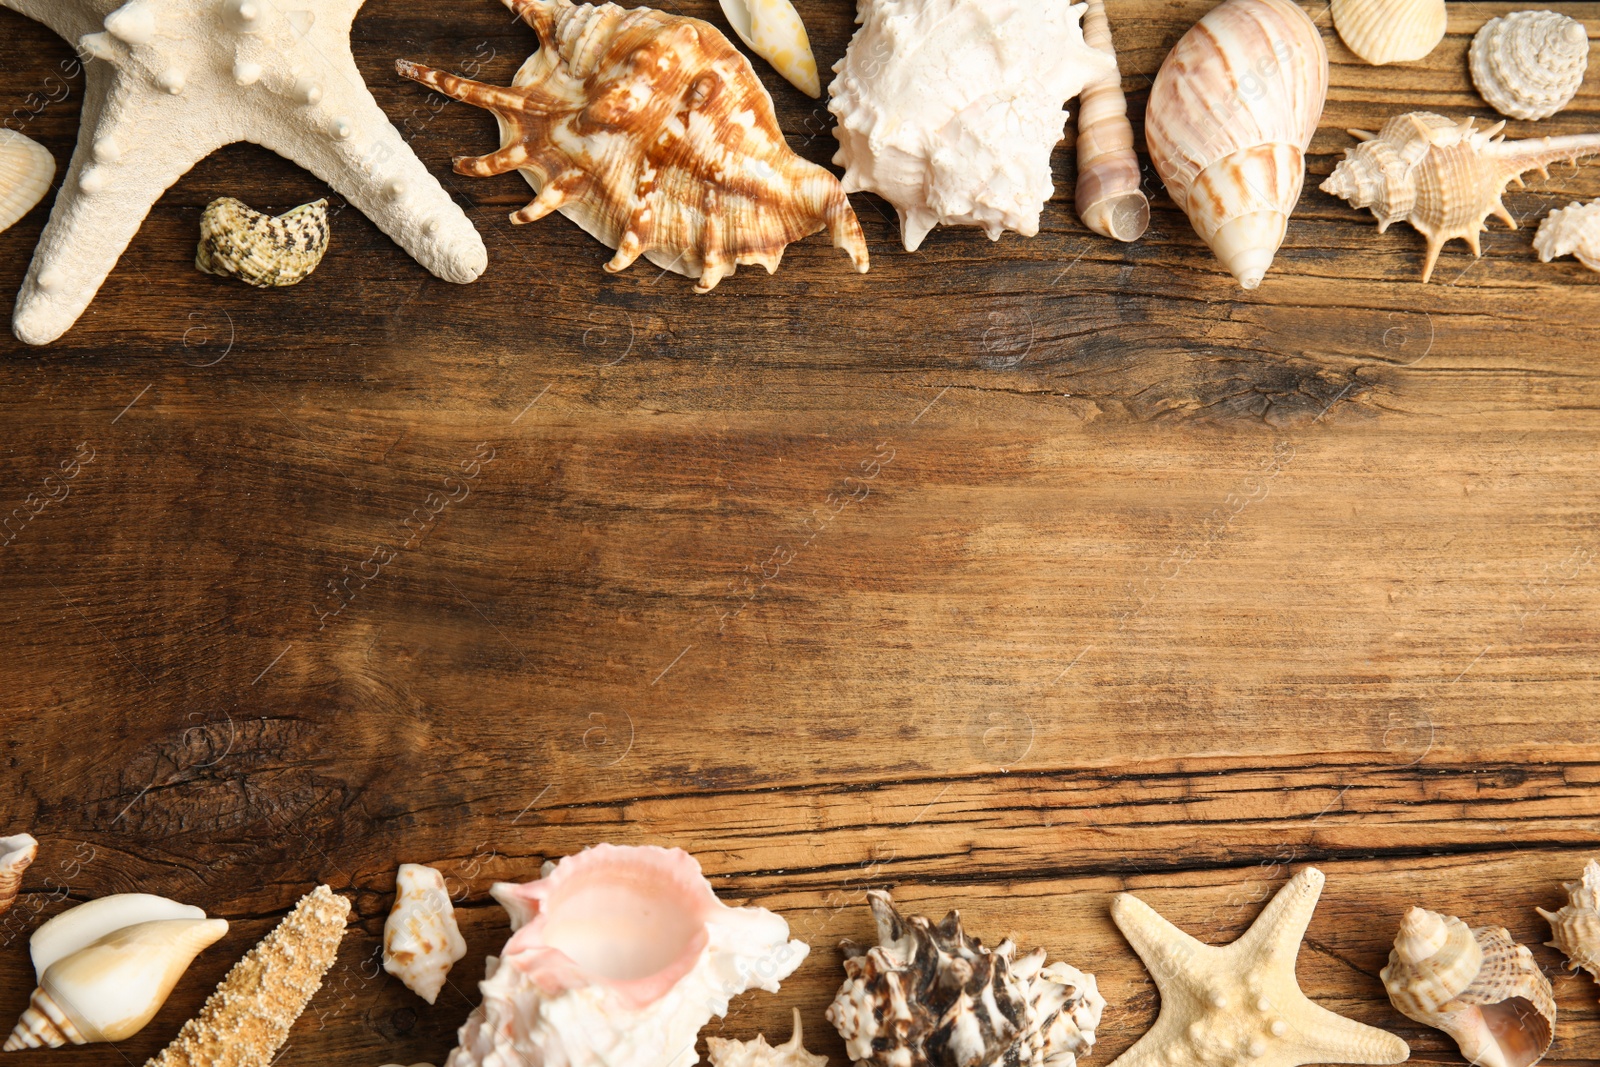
[
  {"x": 16, "y": 853},
  {"x": 1529, "y": 64},
  {"x": 26, "y": 170},
  {"x": 1390, "y": 31},
  {"x": 1231, "y": 113},
  {"x": 237, "y": 241},
  {"x": 1477, "y": 985},
  {"x": 1110, "y": 194},
  {"x": 1575, "y": 928},
  {"x": 773, "y": 30}
]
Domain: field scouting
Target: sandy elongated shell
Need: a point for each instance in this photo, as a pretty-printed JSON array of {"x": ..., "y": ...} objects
[
  {"x": 26, "y": 169},
  {"x": 929, "y": 996},
  {"x": 1575, "y": 928},
  {"x": 1478, "y": 985},
  {"x": 1231, "y": 113},
  {"x": 1390, "y": 31},
  {"x": 652, "y": 132},
  {"x": 949, "y": 109},
  {"x": 757, "y": 1053},
  {"x": 1442, "y": 176},
  {"x": 773, "y": 30},
  {"x": 16, "y": 853},
  {"x": 421, "y": 941},
  {"x": 266, "y": 251},
  {"x": 1529, "y": 64}
]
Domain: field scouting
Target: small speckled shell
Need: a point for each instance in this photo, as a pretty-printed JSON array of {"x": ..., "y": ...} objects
[
  {"x": 1390, "y": 31},
  {"x": 265, "y": 251},
  {"x": 1529, "y": 64}
]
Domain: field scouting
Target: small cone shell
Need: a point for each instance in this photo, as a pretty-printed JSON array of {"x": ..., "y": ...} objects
[
  {"x": 16, "y": 852},
  {"x": 1529, "y": 64},
  {"x": 1390, "y": 31},
  {"x": 773, "y": 30},
  {"x": 26, "y": 170},
  {"x": 1110, "y": 195},
  {"x": 1231, "y": 114},
  {"x": 1575, "y": 929}
]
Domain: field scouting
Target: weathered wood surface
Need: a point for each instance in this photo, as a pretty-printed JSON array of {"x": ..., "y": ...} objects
[{"x": 1008, "y": 575}]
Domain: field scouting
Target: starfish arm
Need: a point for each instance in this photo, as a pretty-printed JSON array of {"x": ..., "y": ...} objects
[
  {"x": 1155, "y": 1048},
  {"x": 1277, "y": 931},
  {"x": 1167, "y": 952},
  {"x": 71, "y": 21},
  {"x": 1317, "y": 1035}
]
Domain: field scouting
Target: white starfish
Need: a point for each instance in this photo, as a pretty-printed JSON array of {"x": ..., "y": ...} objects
[
  {"x": 1240, "y": 1004},
  {"x": 168, "y": 82}
]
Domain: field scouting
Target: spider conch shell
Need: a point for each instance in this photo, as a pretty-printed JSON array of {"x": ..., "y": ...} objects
[
  {"x": 421, "y": 941},
  {"x": 106, "y": 967},
  {"x": 773, "y": 30},
  {"x": 758, "y": 1053},
  {"x": 16, "y": 852},
  {"x": 622, "y": 955},
  {"x": 1110, "y": 195},
  {"x": 1231, "y": 113},
  {"x": 1442, "y": 176},
  {"x": 26, "y": 170},
  {"x": 949, "y": 109},
  {"x": 266, "y": 251},
  {"x": 1575, "y": 928},
  {"x": 929, "y": 996},
  {"x": 652, "y": 132},
  {"x": 1390, "y": 31},
  {"x": 1529, "y": 64},
  {"x": 1478, "y": 985}
]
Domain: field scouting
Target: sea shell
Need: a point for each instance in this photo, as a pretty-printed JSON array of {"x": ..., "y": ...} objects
[
  {"x": 1529, "y": 64},
  {"x": 624, "y": 954},
  {"x": 949, "y": 109},
  {"x": 1572, "y": 231},
  {"x": 1478, "y": 986},
  {"x": 421, "y": 941},
  {"x": 1390, "y": 31},
  {"x": 247, "y": 1019},
  {"x": 1442, "y": 176},
  {"x": 26, "y": 170},
  {"x": 1110, "y": 195},
  {"x": 929, "y": 996},
  {"x": 236, "y": 241},
  {"x": 758, "y": 1053},
  {"x": 652, "y": 132},
  {"x": 773, "y": 30},
  {"x": 1575, "y": 928},
  {"x": 1231, "y": 113},
  {"x": 106, "y": 967},
  {"x": 16, "y": 852}
]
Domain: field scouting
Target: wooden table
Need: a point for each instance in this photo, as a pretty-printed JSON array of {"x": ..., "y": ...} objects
[{"x": 1007, "y": 575}]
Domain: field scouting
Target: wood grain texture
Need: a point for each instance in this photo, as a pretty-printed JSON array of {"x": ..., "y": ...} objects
[{"x": 1009, "y": 575}]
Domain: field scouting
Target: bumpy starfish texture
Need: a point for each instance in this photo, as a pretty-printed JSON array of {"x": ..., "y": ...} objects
[
  {"x": 168, "y": 82},
  {"x": 1240, "y": 1004}
]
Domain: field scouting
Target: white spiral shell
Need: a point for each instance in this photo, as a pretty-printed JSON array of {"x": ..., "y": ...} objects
[{"x": 1529, "y": 64}]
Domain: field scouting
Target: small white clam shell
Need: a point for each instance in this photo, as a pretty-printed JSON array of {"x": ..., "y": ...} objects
[
  {"x": 1390, "y": 31},
  {"x": 1573, "y": 231},
  {"x": 421, "y": 941},
  {"x": 773, "y": 30},
  {"x": 1529, "y": 64},
  {"x": 26, "y": 169}
]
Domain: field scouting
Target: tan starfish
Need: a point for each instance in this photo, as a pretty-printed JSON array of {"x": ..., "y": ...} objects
[{"x": 1240, "y": 1004}]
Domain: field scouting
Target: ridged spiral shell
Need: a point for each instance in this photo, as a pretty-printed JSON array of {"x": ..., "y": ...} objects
[
  {"x": 1477, "y": 985},
  {"x": 16, "y": 853},
  {"x": 26, "y": 170},
  {"x": 1390, "y": 31},
  {"x": 266, "y": 251},
  {"x": 1231, "y": 113},
  {"x": 1575, "y": 928},
  {"x": 1110, "y": 194},
  {"x": 1529, "y": 64}
]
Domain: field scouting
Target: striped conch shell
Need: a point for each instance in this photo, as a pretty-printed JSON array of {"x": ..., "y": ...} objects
[
  {"x": 1110, "y": 198},
  {"x": 773, "y": 30},
  {"x": 1478, "y": 985},
  {"x": 1442, "y": 176},
  {"x": 16, "y": 852},
  {"x": 1575, "y": 928},
  {"x": 26, "y": 170},
  {"x": 266, "y": 251},
  {"x": 1232, "y": 111},
  {"x": 1390, "y": 31},
  {"x": 652, "y": 132},
  {"x": 1529, "y": 64},
  {"x": 1572, "y": 231}
]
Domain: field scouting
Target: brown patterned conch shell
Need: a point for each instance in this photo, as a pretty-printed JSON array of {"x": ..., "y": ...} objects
[
  {"x": 652, "y": 132},
  {"x": 1442, "y": 176},
  {"x": 1231, "y": 114},
  {"x": 1110, "y": 196},
  {"x": 1575, "y": 928},
  {"x": 1529, "y": 64},
  {"x": 1477, "y": 985},
  {"x": 1390, "y": 31}
]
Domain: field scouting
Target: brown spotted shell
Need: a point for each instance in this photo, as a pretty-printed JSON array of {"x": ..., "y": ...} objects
[{"x": 652, "y": 132}]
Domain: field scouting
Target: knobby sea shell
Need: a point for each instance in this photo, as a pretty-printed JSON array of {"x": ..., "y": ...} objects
[
  {"x": 1575, "y": 928},
  {"x": 1478, "y": 985},
  {"x": 1390, "y": 31},
  {"x": 1110, "y": 195},
  {"x": 421, "y": 941},
  {"x": 1572, "y": 231},
  {"x": 652, "y": 132},
  {"x": 949, "y": 109},
  {"x": 1442, "y": 176},
  {"x": 758, "y": 1053},
  {"x": 1529, "y": 64},
  {"x": 1231, "y": 113},
  {"x": 773, "y": 30},
  {"x": 26, "y": 170},
  {"x": 16, "y": 852},
  {"x": 237, "y": 241},
  {"x": 929, "y": 996}
]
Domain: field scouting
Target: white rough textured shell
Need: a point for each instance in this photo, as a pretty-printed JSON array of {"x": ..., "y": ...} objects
[
  {"x": 1529, "y": 64},
  {"x": 421, "y": 941},
  {"x": 1231, "y": 113},
  {"x": 1390, "y": 31},
  {"x": 1575, "y": 928},
  {"x": 757, "y": 1053},
  {"x": 1478, "y": 985},
  {"x": 773, "y": 30},
  {"x": 949, "y": 109},
  {"x": 26, "y": 169},
  {"x": 1573, "y": 231}
]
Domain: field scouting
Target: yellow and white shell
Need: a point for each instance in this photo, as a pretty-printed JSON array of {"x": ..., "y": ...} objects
[
  {"x": 1231, "y": 113},
  {"x": 1529, "y": 64},
  {"x": 26, "y": 170},
  {"x": 1477, "y": 985},
  {"x": 265, "y": 251},
  {"x": 421, "y": 940},
  {"x": 1390, "y": 31},
  {"x": 773, "y": 30},
  {"x": 1575, "y": 928}
]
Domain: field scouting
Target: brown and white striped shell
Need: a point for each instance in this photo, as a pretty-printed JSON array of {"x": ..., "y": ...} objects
[
  {"x": 1575, "y": 928},
  {"x": 1110, "y": 193},
  {"x": 652, "y": 132},
  {"x": 1529, "y": 64},
  {"x": 1477, "y": 985}
]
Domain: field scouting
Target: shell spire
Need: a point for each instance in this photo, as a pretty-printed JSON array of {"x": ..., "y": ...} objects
[{"x": 1110, "y": 194}]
